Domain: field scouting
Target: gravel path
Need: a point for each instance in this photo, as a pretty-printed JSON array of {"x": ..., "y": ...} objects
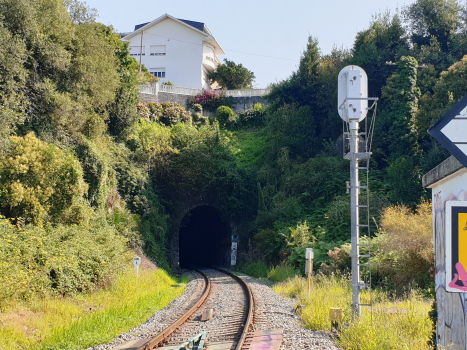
[{"x": 271, "y": 312}]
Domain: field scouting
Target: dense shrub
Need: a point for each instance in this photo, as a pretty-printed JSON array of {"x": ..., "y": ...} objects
[
  {"x": 255, "y": 269},
  {"x": 225, "y": 115},
  {"x": 96, "y": 159},
  {"x": 253, "y": 116},
  {"x": 402, "y": 251},
  {"x": 405, "y": 244},
  {"x": 38, "y": 180},
  {"x": 198, "y": 116},
  {"x": 210, "y": 100},
  {"x": 281, "y": 273},
  {"x": 150, "y": 140},
  {"x": 61, "y": 259},
  {"x": 167, "y": 113}
]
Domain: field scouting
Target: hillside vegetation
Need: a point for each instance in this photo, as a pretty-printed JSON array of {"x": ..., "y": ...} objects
[{"x": 89, "y": 173}]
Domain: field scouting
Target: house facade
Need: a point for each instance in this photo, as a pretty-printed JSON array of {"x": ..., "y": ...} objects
[{"x": 181, "y": 51}]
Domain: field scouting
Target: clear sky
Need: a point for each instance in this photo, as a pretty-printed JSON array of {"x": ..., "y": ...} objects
[{"x": 249, "y": 30}]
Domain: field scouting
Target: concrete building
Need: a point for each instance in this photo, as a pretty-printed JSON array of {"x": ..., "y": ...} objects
[{"x": 181, "y": 51}]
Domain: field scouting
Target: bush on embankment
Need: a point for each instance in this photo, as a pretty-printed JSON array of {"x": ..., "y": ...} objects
[
  {"x": 58, "y": 260},
  {"x": 85, "y": 320},
  {"x": 393, "y": 324},
  {"x": 401, "y": 252}
]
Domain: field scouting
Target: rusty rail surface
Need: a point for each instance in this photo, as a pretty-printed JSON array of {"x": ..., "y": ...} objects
[
  {"x": 249, "y": 307},
  {"x": 169, "y": 330},
  {"x": 161, "y": 338}
]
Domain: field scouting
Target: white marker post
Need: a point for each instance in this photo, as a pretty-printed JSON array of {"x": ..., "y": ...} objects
[
  {"x": 309, "y": 255},
  {"x": 137, "y": 262}
]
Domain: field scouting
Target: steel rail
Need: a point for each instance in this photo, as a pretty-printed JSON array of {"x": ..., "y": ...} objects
[
  {"x": 156, "y": 341},
  {"x": 250, "y": 307}
]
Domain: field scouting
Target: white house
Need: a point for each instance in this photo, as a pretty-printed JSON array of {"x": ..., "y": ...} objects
[{"x": 178, "y": 50}]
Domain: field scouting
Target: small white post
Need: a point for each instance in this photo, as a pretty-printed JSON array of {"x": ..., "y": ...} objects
[
  {"x": 309, "y": 255},
  {"x": 137, "y": 262}
]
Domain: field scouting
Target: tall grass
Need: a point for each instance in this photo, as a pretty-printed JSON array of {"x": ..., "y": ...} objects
[
  {"x": 281, "y": 272},
  {"x": 393, "y": 324},
  {"x": 255, "y": 269},
  {"x": 89, "y": 319}
]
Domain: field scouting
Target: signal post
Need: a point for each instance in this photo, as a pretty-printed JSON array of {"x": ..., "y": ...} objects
[{"x": 353, "y": 108}]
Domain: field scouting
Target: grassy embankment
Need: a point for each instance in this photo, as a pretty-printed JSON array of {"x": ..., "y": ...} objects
[
  {"x": 401, "y": 323},
  {"x": 87, "y": 319}
]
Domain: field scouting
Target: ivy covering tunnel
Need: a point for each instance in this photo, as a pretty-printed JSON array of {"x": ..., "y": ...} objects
[{"x": 204, "y": 239}]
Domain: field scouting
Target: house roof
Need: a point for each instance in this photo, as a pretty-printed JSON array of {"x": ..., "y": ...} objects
[
  {"x": 197, "y": 26},
  {"x": 140, "y": 25}
]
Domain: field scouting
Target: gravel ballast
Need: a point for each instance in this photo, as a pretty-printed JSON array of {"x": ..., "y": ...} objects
[{"x": 271, "y": 312}]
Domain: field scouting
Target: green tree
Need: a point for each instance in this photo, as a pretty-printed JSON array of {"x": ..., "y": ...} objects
[
  {"x": 450, "y": 88},
  {"x": 405, "y": 180},
  {"x": 80, "y": 13},
  {"x": 310, "y": 60},
  {"x": 385, "y": 40},
  {"x": 433, "y": 18},
  {"x": 230, "y": 76},
  {"x": 401, "y": 96},
  {"x": 38, "y": 180},
  {"x": 312, "y": 86},
  {"x": 12, "y": 84}
]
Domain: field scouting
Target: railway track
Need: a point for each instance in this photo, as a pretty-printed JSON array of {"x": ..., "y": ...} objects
[{"x": 227, "y": 303}]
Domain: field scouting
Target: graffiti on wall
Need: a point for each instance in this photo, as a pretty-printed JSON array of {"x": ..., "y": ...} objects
[{"x": 456, "y": 246}]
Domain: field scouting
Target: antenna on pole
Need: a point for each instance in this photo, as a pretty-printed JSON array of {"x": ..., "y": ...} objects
[{"x": 352, "y": 105}]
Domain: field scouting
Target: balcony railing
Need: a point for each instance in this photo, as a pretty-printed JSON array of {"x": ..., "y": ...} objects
[
  {"x": 247, "y": 92},
  {"x": 178, "y": 90}
]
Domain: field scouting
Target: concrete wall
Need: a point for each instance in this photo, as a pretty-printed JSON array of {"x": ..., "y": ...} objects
[
  {"x": 240, "y": 103},
  {"x": 183, "y": 61},
  {"x": 448, "y": 182}
]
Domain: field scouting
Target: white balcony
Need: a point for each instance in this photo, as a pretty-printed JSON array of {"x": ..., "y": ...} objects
[{"x": 209, "y": 62}]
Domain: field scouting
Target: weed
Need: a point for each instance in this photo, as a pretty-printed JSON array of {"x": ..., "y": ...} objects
[
  {"x": 392, "y": 324},
  {"x": 87, "y": 319}
]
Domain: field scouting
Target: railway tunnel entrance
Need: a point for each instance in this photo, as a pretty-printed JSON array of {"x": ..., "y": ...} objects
[{"x": 204, "y": 239}]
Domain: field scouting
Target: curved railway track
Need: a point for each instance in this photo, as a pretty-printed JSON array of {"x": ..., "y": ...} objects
[{"x": 231, "y": 302}]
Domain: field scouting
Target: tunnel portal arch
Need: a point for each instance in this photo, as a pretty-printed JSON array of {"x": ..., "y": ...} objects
[{"x": 204, "y": 238}]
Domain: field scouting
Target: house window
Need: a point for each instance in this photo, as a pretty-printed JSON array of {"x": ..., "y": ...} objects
[
  {"x": 158, "y": 50},
  {"x": 136, "y": 50},
  {"x": 158, "y": 72}
]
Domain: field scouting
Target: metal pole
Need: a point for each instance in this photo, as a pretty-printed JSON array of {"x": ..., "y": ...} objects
[
  {"x": 354, "y": 190},
  {"x": 310, "y": 269},
  {"x": 141, "y": 51}
]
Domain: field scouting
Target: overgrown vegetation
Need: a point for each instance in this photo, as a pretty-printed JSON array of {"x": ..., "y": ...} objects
[
  {"x": 83, "y": 160},
  {"x": 300, "y": 178},
  {"x": 392, "y": 324},
  {"x": 81, "y": 321}
]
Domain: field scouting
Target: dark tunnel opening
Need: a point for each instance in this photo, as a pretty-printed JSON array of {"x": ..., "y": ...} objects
[{"x": 204, "y": 239}]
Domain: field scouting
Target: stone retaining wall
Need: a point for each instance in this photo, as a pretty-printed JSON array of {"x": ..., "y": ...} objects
[{"x": 240, "y": 104}]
